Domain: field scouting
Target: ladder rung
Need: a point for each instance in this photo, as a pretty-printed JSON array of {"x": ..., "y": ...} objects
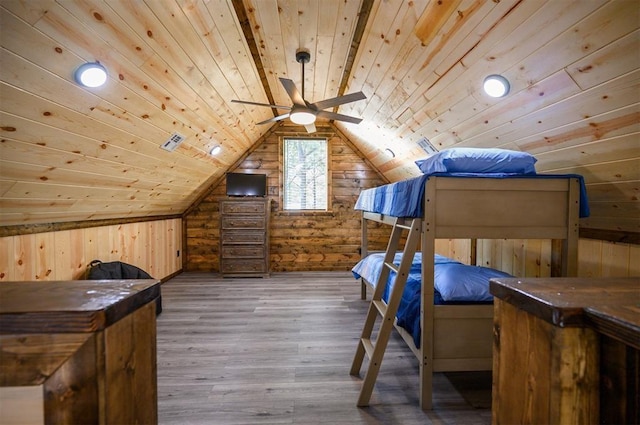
[
  {"x": 368, "y": 346},
  {"x": 380, "y": 306},
  {"x": 392, "y": 267},
  {"x": 403, "y": 226}
]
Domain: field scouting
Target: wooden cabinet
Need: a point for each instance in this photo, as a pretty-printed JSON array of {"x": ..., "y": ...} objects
[
  {"x": 244, "y": 237},
  {"x": 78, "y": 352},
  {"x": 566, "y": 351}
]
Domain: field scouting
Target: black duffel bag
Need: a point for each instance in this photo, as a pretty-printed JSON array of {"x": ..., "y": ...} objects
[{"x": 97, "y": 270}]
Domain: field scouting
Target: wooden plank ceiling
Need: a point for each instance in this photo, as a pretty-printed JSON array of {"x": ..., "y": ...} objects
[{"x": 71, "y": 154}]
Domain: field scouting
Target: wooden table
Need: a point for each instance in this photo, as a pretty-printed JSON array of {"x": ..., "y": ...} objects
[
  {"x": 566, "y": 350},
  {"x": 78, "y": 352}
]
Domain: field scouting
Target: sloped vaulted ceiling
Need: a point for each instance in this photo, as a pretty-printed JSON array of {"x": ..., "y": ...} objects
[{"x": 73, "y": 154}]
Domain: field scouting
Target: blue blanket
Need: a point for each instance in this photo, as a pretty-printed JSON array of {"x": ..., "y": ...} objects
[
  {"x": 406, "y": 197},
  {"x": 455, "y": 283}
]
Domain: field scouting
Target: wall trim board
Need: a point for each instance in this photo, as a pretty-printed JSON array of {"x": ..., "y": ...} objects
[
  {"x": 29, "y": 229},
  {"x": 171, "y": 276},
  {"x": 619, "y": 236}
]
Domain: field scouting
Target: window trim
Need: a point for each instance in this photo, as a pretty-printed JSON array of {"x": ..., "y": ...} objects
[{"x": 329, "y": 175}]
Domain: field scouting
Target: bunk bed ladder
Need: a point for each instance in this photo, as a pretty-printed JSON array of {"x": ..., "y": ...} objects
[{"x": 374, "y": 349}]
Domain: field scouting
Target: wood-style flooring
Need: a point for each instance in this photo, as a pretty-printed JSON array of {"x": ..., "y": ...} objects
[{"x": 278, "y": 351}]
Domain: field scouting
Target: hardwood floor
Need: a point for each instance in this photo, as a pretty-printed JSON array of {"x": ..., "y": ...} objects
[{"x": 278, "y": 351}]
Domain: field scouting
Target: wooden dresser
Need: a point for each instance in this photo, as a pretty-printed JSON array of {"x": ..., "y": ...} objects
[
  {"x": 80, "y": 352},
  {"x": 566, "y": 350},
  {"x": 244, "y": 237}
]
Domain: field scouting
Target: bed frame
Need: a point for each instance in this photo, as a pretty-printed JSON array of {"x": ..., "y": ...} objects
[{"x": 460, "y": 337}]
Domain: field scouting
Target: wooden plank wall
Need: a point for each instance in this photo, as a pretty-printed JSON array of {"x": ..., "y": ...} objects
[
  {"x": 532, "y": 258},
  {"x": 64, "y": 255},
  {"x": 607, "y": 259}
]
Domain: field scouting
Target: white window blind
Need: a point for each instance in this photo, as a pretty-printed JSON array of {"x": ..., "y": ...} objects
[{"x": 305, "y": 174}]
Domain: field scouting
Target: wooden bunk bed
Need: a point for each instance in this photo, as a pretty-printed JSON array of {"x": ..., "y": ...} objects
[{"x": 460, "y": 337}]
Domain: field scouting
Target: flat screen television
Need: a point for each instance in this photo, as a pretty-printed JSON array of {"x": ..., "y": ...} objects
[{"x": 240, "y": 184}]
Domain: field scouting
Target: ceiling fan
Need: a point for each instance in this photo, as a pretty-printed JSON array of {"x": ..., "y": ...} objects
[{"x": 304, "y": 113}]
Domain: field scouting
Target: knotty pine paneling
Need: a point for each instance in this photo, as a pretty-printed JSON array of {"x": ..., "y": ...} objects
[
  {"x": 573, "y": 86},
  {"x": 532, "y": 258},
  {"x": 64, "y": 255},
  {"x": 607, "y": 259},
  {"x": 64, "y": 144}
]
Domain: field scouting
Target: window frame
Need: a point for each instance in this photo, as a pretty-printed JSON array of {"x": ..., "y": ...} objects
[{"x": 328, "y": 174}]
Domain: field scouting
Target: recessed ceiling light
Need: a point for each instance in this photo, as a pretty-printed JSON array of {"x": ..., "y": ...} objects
[
  {"x": 390, "y": 153},
  {"x": 215, "y": 150},
  {"x": 496, "y": 86},
  {"x": 91, "y": 74}
]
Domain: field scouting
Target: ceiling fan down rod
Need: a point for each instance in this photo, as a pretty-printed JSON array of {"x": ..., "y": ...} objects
[{"x": 303, "y": 56}]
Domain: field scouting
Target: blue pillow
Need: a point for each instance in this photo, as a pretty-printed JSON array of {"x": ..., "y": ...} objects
[
  {"x": 460, "y": 282},
  {"x": 477, "y": 160}
]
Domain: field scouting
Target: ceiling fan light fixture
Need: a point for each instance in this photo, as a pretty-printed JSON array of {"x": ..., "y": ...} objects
[
  {"x": 305, "y": 113},
  {"x": 302, "y": 117}
]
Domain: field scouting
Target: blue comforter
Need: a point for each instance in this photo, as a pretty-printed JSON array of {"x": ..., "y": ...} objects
[{"x": 454, "y": 283}]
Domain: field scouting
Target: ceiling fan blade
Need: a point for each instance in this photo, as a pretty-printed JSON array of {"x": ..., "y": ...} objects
[
  {"x": 293, "y": 92},
  {"x": 340, "y": 100},
  {"x": 246, "y": 102},
  {"x": 274, "y": 119},
  {"x": 340, "y": 117},
  {"x": 311, "y": 128}
]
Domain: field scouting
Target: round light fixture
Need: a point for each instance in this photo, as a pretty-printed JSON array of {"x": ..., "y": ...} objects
[
  {"x": 496, "y": 86},
  {"x": 389, "y": 153},
  {"x": 91, "y": 74},
  {"x": 215, "y": 150},
  {"x": 302, "y": 117}
]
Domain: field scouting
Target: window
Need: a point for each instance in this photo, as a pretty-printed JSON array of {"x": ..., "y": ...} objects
[{"x": 305, "y": 174}]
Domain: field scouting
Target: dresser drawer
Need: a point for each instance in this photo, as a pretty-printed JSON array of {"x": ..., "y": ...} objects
[
  {"x": 243, "y": 251},
  {"x": 245, "y": 207},
  {"x": 243, "y": 237},
  {"x": 248, "y": 265},
  {"x": 249, "y": 222}
]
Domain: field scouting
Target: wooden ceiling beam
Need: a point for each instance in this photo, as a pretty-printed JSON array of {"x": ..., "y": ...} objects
[
  {"x": 245, "y": 24},
  {"x": 363, "y": 18}
]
